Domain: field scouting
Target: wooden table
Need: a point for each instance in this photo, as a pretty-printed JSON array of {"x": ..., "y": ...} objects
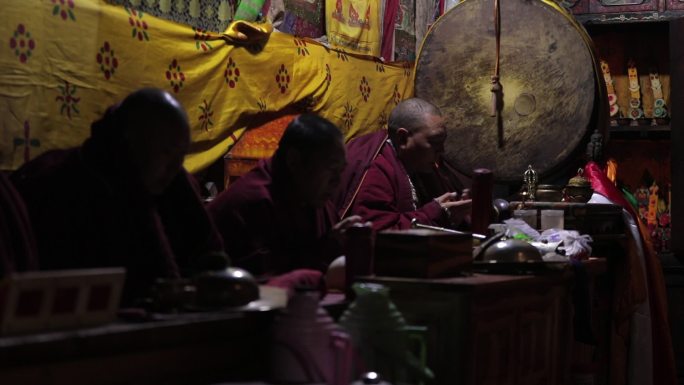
[
  {"x": 193, "y": 348},
  {"x": 493, "y": 329}
]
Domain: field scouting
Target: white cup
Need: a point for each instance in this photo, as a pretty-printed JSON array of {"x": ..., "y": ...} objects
[
  {"x": 552, "y": 219},
  {"x": 529, "y": 216}
]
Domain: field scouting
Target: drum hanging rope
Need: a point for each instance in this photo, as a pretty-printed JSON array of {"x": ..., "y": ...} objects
[{"x": 497, "y": 89}]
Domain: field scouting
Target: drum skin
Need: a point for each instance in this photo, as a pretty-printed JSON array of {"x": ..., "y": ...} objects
[{"x": 551, "y": 95}]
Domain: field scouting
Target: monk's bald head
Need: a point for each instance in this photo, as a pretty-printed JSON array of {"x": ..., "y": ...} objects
[
  {"x": 417, "y": 131},
  {"x": 411, "y": 115},
  {"x": 156, "y": 135},
  {"x": 149, "y": 113}
]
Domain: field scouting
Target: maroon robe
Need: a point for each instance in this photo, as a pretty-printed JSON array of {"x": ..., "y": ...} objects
[
  {"x": 17, "y": 243},
  {"x": 266, "y": 232},
  {"x": 375, "y": 186},
  {"x": 88, "y": 210}
]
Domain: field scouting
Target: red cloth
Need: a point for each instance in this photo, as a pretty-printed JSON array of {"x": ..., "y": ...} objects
[
  {"x": 300, "y": 278},
  {"x": 388, "y": 22},
  {"x": 88, "y": 211},
  {"x": 664, "y": 369},
  {"x": 17, "y": 243},
  {"x": 265, "y": 232},
  {"x": 384, "y": 195}
]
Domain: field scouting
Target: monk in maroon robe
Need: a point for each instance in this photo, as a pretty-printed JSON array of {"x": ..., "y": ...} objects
[
  {"x": 279, "y": 217},
  {"x": 122, "y": 198},
  {"x": 380, "y": 183},
  {"x": 17, "y": 243}
]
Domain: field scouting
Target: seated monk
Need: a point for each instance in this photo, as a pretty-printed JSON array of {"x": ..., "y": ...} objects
[
  {"x": 384, "y": 170},
  {"x": 17, "y": 244},
  {"x": 123, "y": 198},
  {"x": 279, "y": 217}
]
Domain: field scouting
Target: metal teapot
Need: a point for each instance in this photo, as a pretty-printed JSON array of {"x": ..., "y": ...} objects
[{"x": 499, "y": 248}]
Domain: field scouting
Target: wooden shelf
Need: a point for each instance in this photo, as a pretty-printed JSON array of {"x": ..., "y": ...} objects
[{"x": 639, "y": 132}]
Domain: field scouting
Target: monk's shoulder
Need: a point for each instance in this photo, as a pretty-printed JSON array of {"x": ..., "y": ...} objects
[{"x": 50, "y": 171}]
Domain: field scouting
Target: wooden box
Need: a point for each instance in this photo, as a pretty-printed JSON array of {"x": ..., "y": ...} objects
[{"x": 421, "y": 253}]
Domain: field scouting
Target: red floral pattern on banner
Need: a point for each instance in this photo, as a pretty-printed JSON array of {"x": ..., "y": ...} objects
[
  {"x": 301, "y": 47},
  {"x": 232, "y": 73},
  {"x": 22, "y": 43},
  {"x": 396, "y": 95},
  {"x": 342, "y": 55},
  {"x": 64, "y": 8},
  {"x": 26, "y": 141},
  {"x": 382, "y": 120},
  {"x": 201, "y": 37},
  {"x": 328, "y": 75},
  {"x": 379, "y": 66},
  {"x": 135, "y": 19},
  {"x": 282, "y": 79},
  {"x": 365, "y": 89},
  {"x": 68, "y": 99},
  {"x": 205, "y": 117},
  {"x": 348, "y": 115},
  {"x": 262, "y": 105},
  {"x": 175, "y": 76},
  {"x": 107, "y": 60}
]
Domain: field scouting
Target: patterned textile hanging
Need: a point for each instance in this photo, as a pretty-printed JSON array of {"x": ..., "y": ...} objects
[{"x": 63, "y": 64}]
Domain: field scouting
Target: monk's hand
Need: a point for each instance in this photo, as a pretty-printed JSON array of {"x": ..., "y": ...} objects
[
  {"x": 457, "y": 209},
  {"x": 346, "y": 223},
  {"x": 446, "y": 200},
  {"x": 338, "y": 230}
]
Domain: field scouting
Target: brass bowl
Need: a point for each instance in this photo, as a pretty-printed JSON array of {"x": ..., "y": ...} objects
[{"x": 549, "y": 193}]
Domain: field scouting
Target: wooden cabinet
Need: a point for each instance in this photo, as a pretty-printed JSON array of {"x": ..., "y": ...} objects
[
  {"x": 674, "y": 5},
  {"x": 620, "y": 11},
  {"x": 493, "y": 329},
  {"x": 621, "y": 6}
]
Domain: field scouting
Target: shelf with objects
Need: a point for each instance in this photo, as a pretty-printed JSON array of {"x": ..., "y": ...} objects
[
  {"x": 648, "y": 157},
  {"x": 635, "y": 64}
]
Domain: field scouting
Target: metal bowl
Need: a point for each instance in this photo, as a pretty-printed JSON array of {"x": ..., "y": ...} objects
[{"x": 512, "y": 250}]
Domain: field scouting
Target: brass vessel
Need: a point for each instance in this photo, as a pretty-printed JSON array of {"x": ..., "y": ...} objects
[{"x": 578, "y": 189}]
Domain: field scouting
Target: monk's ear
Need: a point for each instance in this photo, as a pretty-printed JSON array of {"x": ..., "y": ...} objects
[
  {"x": 402, "y": 137},
  {"x": 293, "y": 160}
]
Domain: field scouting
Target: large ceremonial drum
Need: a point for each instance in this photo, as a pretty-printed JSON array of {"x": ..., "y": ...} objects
[{"x": 552, "y": 99}]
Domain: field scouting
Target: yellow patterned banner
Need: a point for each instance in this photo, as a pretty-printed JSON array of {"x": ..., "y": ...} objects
[
  {"x": 355, "y": 25},
  {"x": 63, "y": 62}
]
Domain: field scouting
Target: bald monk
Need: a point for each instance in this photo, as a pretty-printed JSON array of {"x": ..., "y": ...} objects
[
  {"x": 279, "y": 217},
  {"x": 381, "y": 182},
  {"x": 17, "y": 243},
  {"x": 122, "y": 198}
]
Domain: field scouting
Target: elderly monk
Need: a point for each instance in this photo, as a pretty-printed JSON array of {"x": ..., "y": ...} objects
[
  {"x": 279, "y": 217},
  {"x": 17, "y": 244},
  {"x": 123, "y": 197},
  {"x": 380, "y": 182}
]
